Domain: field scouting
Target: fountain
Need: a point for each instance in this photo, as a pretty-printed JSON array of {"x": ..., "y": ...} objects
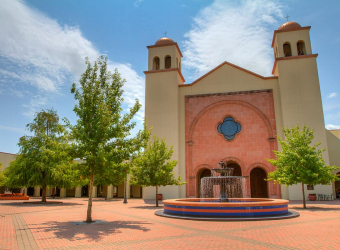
[
  {"x": 229, "y": 206},
  {"x": 230, "y": 186}
]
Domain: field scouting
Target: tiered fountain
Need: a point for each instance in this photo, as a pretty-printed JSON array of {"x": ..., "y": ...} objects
[
  {"x": 229, "y": 206},
  {"x": 229, "y": 186}
]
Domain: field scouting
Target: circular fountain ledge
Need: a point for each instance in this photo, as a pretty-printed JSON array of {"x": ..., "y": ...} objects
[{"x": 237, "y": 209}]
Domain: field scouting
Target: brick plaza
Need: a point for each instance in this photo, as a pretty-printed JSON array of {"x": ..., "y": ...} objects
[{"x": 134, "y": 226}]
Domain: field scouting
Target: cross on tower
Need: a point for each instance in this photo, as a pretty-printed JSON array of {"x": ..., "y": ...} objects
[
  {"x": 164, "y": 34},
  {"x": 287, "y": 18}
]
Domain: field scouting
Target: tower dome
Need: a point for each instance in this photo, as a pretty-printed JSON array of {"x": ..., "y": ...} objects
[
  {"x": 289, "y": 26},
  {"x": 164, "y": 41}
]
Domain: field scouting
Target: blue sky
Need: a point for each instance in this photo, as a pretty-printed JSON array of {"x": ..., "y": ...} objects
[{"x": 43, "y": 45}]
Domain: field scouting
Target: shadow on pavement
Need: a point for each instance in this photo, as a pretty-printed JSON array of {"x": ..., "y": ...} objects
[
  {"x": 313, "y": 208},
  {"x": 152, "y": 202},
  {"x": 103, "y": 200},
  {"x": 90, "y": 231},
  {"x": 149, "y": 207},
  {"x": 40, "y": 204}
]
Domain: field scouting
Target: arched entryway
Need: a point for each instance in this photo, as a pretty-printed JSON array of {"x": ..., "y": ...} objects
[
  {"x": 85, "y": 191},
  {"x": 135, "y": 191},
  {"x": 258, "y": 184},
  {"x": 55, "y": 192},
  {"x": 30, "y": 191},
  {"x": 70, "y": 192},
  {"x": 203, "y": 173},
  {"x": 237, "y": 169},
  {"x": 337, "y": 187},
  {"x": 101, "y": 191}
]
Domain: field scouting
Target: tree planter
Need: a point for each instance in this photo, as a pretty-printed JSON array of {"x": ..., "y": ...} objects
[
  {"x": 14, "y": 196},
  {"x": 312, "y": 197},
  {"x": 159, "y": 197}
]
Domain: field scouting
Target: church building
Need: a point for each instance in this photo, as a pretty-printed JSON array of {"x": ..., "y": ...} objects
[{"x": 235, "y": 115}]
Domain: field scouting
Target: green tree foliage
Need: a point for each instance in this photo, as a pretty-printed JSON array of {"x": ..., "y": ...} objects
[
  {"x": 102, "y": 133},
  {"x": 153, "y": 167},
  {"x": 2, "y": 176},
  {"x": 42, "y": 159},
  {"x": 300, "y": 161}
]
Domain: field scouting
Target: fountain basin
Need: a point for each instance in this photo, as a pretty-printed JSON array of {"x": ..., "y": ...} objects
[{"x": 235, "y": 208}]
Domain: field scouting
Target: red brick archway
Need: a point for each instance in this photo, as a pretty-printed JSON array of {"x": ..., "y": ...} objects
[
  {"x": 206, "y": 147},
  {"x": 203, "y": 173}
]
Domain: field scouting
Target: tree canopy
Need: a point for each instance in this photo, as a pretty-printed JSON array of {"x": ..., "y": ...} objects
[
  {"x": 153, "y": 166},
  {"x": 300, "y": 161},
  {"x": 2, "y": 176},
  {"x": 102, "y": 134},
  {"x": 43, "y": 159}
]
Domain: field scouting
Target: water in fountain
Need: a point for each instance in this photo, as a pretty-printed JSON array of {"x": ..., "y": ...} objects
[{"x": 230, "y": 186}]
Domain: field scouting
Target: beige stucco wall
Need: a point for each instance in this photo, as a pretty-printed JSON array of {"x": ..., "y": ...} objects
[
  {"x": 333, "y": 139},
  {"x": 6, "y": 158},
  {"x": 335, "y": 132},
  {"x": 301, "y": 97}
]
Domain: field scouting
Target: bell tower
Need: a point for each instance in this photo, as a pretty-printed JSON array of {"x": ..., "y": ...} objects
[
  {"x": 299, "y": 87},
  {"x": 296, "y": 68},
  {"x": 162, "y": 100}
]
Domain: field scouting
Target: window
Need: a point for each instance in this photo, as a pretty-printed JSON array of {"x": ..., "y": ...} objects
[
  {"x": 287, "y": 50},
  {"x": 301, "y": 48},
  {"x": 168, "y": 62},
  {"x": 156, "y": 63}
]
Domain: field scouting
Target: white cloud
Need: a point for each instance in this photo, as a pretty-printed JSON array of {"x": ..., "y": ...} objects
[
  {"x": 16, "y": 130},
  {"x": 332, "y": 95},
  {"x": 36, "y": 50},
  {"x": 34, "y": 105},
  {"x": 332, "y": 127},
  {"x": 133, "y": 88},
  {"x": 239, "y": 33},
  {"x": 137, "y": 3}
]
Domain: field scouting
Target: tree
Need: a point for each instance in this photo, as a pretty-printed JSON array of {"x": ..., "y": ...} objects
[
  {"x": 42, "y": 159},
  {"x": 300, "y": 161},
  {"x": 2, "y": 177},
  {"x": 153, "y": 167},
  {"x": 102, "y": 133}
]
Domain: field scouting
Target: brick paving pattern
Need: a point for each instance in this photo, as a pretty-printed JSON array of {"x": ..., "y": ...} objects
[{"x": 134, "y": 226}]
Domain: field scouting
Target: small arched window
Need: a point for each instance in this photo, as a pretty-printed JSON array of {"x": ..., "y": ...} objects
[
  {"x": 301, "y": 48},
  {"x": 180, "y": 66},
  {"x": 156, "y": 63},
  {"x": 287, "y": 50},
  {"x": 168, "y": 62}
]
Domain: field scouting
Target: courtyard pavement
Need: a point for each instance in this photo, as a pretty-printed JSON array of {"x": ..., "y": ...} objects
[{"x": 134, "y": 226}]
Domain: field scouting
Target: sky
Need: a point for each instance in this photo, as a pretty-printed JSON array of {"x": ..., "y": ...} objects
[{"x": 43, "y": 45}]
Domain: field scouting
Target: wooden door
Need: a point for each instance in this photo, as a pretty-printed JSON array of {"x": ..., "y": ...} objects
[{"x": 258, "y": 184}]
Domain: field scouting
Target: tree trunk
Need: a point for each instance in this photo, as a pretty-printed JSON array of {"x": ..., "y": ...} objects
[
  {"x": 89, "y": 206},
  {"x": 156, "y": 196},
  {"x": 43, "y": 197},
  {"x": 303, "y": 194}
]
